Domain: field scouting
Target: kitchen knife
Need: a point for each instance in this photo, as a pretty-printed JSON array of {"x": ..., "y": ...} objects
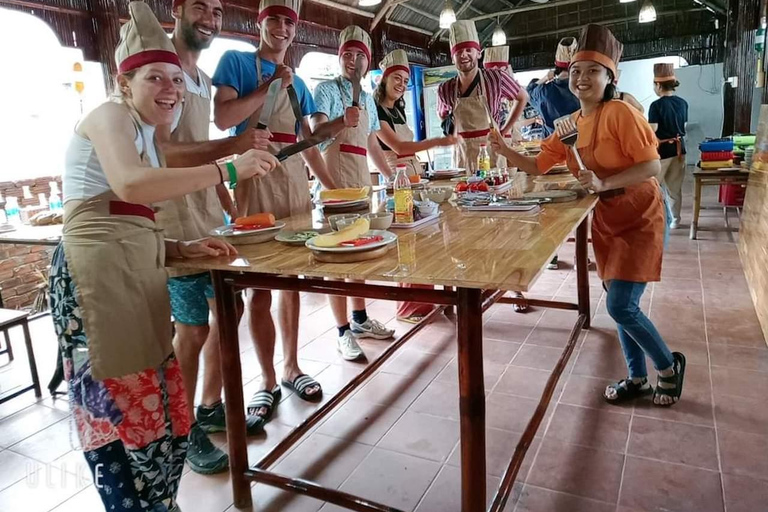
[
  {"x": 293, "y": 149},
  {"x": 356, "y": 86},
  {"x": 295, "y": 105},
  {"x": 491, "y": 120},
  {"x": 269, "y": 103}
]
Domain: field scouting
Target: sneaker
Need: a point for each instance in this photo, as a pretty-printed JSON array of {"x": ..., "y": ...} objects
[
  {"x": 212, "y": 419},
  {"x": 348, "y": 347},
  {"x": 371, "y": 329},
  {"x": 674, "y": 224},
  {"x": 553, "y": 265},
  {"x": 203, "y": 456}
]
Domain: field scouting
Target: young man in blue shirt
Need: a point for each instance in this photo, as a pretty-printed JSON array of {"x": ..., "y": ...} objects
[{"x": 242, "y": 79}]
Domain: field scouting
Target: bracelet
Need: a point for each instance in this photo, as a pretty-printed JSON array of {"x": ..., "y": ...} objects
[
  {"x": 232, "y": 175},
  {"x": 221, "y": 173}
]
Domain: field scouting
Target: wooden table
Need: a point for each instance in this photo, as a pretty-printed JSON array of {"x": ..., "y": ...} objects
[
  {"x": 33, "y": 235},
  {"x": 717, "y": 177},
  {"x": 473, "y": 257}
]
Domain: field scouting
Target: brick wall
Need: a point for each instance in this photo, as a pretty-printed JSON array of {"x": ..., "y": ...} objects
[{"x": 21, "y": 266}]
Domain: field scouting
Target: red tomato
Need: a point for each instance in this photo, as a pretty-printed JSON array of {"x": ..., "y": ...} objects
[{"x": 462, "y": 186}]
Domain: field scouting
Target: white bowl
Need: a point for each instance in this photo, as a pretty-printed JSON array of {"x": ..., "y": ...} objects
[{"x": 380, "y": 220}]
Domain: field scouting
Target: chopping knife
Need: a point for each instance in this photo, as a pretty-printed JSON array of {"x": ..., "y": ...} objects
[
  {"x": 269, "y": 103},
  {"x": 305, "y": 144},
  {"x": 356, "y": 86},
  {"x": 295, "y": 105}
]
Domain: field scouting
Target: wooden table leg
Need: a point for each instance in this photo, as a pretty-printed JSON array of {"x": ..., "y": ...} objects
[
  {"x": 696, "y": 206},
  {"x": 232, "y": 377},
  {"x": 32, "y": 360},
  {"x": 582, "y": 269},
  {"x": 472, "y": 399}
]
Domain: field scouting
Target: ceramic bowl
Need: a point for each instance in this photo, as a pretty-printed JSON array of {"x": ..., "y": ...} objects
[
  {"x": 427, "y": 208},
  {"x": 333, "y": 220},
  {"x": 381, "y": 220},
  {"x": 437, "y": 195}
]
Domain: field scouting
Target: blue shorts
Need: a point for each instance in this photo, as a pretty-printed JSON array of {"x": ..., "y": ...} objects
[{"x": 189, "y": 298}]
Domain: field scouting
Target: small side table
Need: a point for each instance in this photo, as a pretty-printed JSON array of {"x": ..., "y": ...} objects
[
  {"x": 10, "y": 318},
  {"x": 708, "y": 178}
]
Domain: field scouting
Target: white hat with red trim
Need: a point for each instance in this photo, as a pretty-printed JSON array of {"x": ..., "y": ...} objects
[
  {"x": 496, "y": 57},
  {"x": 464, "y": 35},
  {"x": 396, "y": 60},
  {"x": 355, "y": 37},
  {"x": 143, "y": 41},
  {"x": 287, "y": 8}
]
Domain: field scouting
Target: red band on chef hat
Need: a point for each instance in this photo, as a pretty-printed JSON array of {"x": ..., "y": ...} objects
[
  {"x": 177, "y": 3},
  {"x": 279, "y": 10},
  {"x": 392, "y": 69},
  {"x": 137, "y": 60},
  {"x": 466, "y": 44},
  {"x": 561, "y": 64},
  {"x": 356, "y": 44}
]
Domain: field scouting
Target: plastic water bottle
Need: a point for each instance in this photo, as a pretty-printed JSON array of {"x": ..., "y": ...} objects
[
  {"x": 12, "y": 211},
  {"x": 54, "y": 200},
  {"x": 483, "y": 159},
  {"x": 403, "y": 197}
]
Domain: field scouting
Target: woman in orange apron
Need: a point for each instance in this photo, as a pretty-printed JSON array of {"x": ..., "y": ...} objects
[
  {"x": 396, "y": 139},
  {"x": 109, "y": 299},
  {"x": 619, "y": 148}
]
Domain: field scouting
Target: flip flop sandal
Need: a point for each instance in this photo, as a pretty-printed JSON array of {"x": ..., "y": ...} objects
[
  {"x": 264, "y": 399},
  {"x": 254, "y": 425},
  {"x": 627, "y": 390},
  {"x": 520, "y": 308},
  {"x": 676, "y": 379},
  {"x": 413, "y": 319},
  {"x": 300, "y": 385}
]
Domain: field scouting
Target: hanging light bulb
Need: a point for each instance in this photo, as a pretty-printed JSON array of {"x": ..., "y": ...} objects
[
  {"x": 499, "y": 38},
  {"x": 368, "y": 3},
  {"x": 447, "y": 17},
  {"x": 647, "y": 13}
]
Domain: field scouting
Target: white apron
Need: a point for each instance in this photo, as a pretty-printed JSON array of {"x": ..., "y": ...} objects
[
  {"x": 347, "y": 156},
  {"x": 116, "y": 256},
  {"x": 412, "y": 165},
  {"x": 194, "y": 215},
  {"x": 472, "y": 126},
  {"x": 284, "y": 192}
]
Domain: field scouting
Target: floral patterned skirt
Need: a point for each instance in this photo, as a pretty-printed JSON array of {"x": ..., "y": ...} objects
[{"x": 133, "y": 428}]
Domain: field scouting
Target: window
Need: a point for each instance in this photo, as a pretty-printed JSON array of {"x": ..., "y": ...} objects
[{"x": 37, "y": 96}]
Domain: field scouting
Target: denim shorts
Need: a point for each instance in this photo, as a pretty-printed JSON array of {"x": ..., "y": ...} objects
[{"x": 189, "y": 298}]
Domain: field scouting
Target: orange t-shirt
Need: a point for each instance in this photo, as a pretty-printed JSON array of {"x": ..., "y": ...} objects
[{"x": 622, "y": 138}]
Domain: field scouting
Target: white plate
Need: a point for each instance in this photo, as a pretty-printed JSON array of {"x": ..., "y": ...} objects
[
  {"x": 7, "y": 228},
  {"x": 389, "y": 238},
  {"x": 449, "y": 171},
  {"x": 342, "y": 204},
  {"x": 228, "y": 230},
  {"x": 421, "y": 222},
  {"x": 421, "y": 184}
]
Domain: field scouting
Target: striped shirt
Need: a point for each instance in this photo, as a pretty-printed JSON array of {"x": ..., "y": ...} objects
[{"x": 498, "y": 85}]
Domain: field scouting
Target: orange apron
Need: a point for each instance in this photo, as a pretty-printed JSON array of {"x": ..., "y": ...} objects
[
  {"x": 194, "y": 215},
  {"x": 284, "y": 192},
  {"x": 347, "y": 156},
  {"x": 628, "y": 227}
]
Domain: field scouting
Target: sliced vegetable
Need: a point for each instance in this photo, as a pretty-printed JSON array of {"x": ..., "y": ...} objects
[{"x": 265, "y": 220}]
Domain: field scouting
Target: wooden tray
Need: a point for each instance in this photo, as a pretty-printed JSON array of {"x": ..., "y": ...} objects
[
  {"x": 351, "y": 257},
  {"x": 555, "y": 196}
]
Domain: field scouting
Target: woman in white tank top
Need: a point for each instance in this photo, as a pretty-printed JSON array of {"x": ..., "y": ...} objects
[{"x": 109, "y": 299}]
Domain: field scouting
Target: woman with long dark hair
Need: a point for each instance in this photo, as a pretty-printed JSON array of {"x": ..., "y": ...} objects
[{"x": 618, "y": 148}]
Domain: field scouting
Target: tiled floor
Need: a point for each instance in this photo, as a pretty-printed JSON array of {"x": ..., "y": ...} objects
[{"x": 396, "y": 439}]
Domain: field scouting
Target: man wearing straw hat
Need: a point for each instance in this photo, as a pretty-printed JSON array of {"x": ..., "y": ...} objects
[{"x": 474, "y": 95}]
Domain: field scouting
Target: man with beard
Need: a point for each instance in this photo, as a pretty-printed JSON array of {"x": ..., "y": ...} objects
[
  {"x": 466, "y": 99},
  {"x": 185, "y": 143},
  {"x": 243, "y": 79}
]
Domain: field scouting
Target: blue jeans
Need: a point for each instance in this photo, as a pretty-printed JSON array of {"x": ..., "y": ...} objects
[
  {"x": 668, "y": 215},
  {"x": 637, "y": 334}
]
